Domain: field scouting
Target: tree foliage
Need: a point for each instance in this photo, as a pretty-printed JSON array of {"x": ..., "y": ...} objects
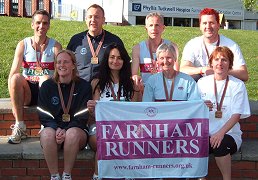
[{"x": 251, "y": 5}]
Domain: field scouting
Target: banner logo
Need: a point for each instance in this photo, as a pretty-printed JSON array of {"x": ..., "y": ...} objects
[{"x": 151, "y": 111}]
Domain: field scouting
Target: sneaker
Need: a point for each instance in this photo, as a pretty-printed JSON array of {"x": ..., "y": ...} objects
[
  {"x": 17, "y": 134},
  {"x": 66, "y": 177},
  {"x": 55, "y": 178},
  {"x": 95, "y": 177}
]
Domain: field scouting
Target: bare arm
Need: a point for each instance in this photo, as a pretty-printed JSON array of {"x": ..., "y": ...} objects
[
  {"x": 216, "y": 138},
  {"x": 240, "y": 73},
  {"x": 17, "y": 61},
  {"x": 188, "y": 68},
  {"x": 135, "y": 65},
  {"x": 176, "y": 65},
  {"x": 57, "y": 47},
  {"x": 135, "y": 59}
]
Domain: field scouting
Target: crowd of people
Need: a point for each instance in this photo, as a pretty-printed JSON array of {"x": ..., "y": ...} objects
[{"x": 66, "y": 84}]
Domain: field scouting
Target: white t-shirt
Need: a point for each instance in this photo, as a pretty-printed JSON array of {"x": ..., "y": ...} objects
[
  {"x": 194, "y": 51},
  {"x": 235, "y": 102},
  {"x": 106, "y": 95}
]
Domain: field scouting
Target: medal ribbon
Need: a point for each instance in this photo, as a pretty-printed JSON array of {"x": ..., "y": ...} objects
[
  {"x": 66, "y": 109},
  {"x": 42, "y": 48},
  {"x": 207, "y": 52},
  {"x": 116, "y": 98},
  {"x": 166, "y": 89},
  {"x": 95, "y": 53},
  {"x": 219, "y": 104}
]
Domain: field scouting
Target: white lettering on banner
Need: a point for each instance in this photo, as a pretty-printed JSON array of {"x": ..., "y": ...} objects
[
  {"x": 142, "y": 131},
  {"x": 187, "y": 10},
  {"x": 134, "y": 144},
  {"x": 146, "y": 148}
]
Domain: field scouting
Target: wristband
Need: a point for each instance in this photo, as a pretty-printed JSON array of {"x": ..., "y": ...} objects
[{"x": 201, "y": 71}]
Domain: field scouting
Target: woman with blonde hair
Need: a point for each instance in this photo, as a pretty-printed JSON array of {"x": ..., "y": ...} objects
[{"x": 61, "y": 107}]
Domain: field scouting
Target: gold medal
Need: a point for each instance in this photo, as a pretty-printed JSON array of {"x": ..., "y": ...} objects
[
  {"x": 38, "y": 70},
  {"x": 94, "y": 60},
  {"x": 66, "y": 117},
  {"x": 218, "y": 114}
]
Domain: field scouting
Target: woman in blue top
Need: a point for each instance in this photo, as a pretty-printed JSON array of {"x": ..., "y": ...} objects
[{"x": 169, "y": 85}]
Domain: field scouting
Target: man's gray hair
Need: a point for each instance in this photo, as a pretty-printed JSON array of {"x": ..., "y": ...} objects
[{"x": 154, "y": 14}]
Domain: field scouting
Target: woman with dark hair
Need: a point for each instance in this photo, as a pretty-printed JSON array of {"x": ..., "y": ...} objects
[
  {"x": 112, "y": 83},
  {"x": 227, "y": 100},
  {"x": 61, "y": 107}
]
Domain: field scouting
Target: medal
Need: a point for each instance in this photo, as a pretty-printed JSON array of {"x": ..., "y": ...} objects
[
  {"x": 38, "y": 70},
  {"x": 94, "y": 60},
  {"x": 218, "y": 114},
  {"x": 66, "y": 117},
  {"x": 153, "y": 70}
]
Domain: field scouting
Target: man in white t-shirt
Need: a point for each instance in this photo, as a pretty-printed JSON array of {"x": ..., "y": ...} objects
[{"x": 197, "y": 51}]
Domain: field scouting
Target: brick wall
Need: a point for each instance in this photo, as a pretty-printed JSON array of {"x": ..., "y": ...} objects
[
  {"x": 83, "y": 170},
  {"x": 31, "y": 121},
  {"x": 241, "y": 170},
  {"x": 37, "y": 169}
]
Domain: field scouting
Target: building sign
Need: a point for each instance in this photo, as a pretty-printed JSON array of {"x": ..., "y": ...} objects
[
  {"x": 140, "y": 7},
  {"x": 152, "y": 140}
]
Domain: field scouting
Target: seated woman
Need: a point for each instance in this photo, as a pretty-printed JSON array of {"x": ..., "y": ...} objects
[
  {"x": 112, "y": 83},
  {"x": 61, "y": 107},
  {"x": 227, "y": 100},
  {"x": 169, "y": 85}
]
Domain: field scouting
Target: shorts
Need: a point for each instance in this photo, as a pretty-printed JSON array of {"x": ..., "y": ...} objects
[
  {"x": 227, "y": 146},
  {"x": 92, "y": 130},
  {"x": 34, "y": 89}
]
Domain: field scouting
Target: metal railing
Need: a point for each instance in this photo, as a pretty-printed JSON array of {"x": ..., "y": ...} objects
[{"x": 67, "y": 12}]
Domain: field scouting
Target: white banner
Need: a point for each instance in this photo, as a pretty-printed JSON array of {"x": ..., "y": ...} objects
[{"x": 152, "y": 139}]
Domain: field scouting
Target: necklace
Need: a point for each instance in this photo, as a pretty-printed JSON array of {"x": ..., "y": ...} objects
[{"x": 38, "y": 68}]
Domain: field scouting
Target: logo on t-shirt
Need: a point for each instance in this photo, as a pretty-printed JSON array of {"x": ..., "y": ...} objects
[
  {"x": 55, "y": 100},
  {"x": 83, "y": 51}
]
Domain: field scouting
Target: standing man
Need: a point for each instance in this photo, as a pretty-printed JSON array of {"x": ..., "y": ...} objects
[
  {"x": 144, "y": 53},
  {"x": 197, "y": 51},
  {"x": 89, "y": 46},
  {"x": 36, "y": 57}
]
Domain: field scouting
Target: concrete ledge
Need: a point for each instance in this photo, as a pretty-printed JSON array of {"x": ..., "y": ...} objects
[
  {"x": 6, "y": 107},
  {"x": 30, "y": 149}
]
